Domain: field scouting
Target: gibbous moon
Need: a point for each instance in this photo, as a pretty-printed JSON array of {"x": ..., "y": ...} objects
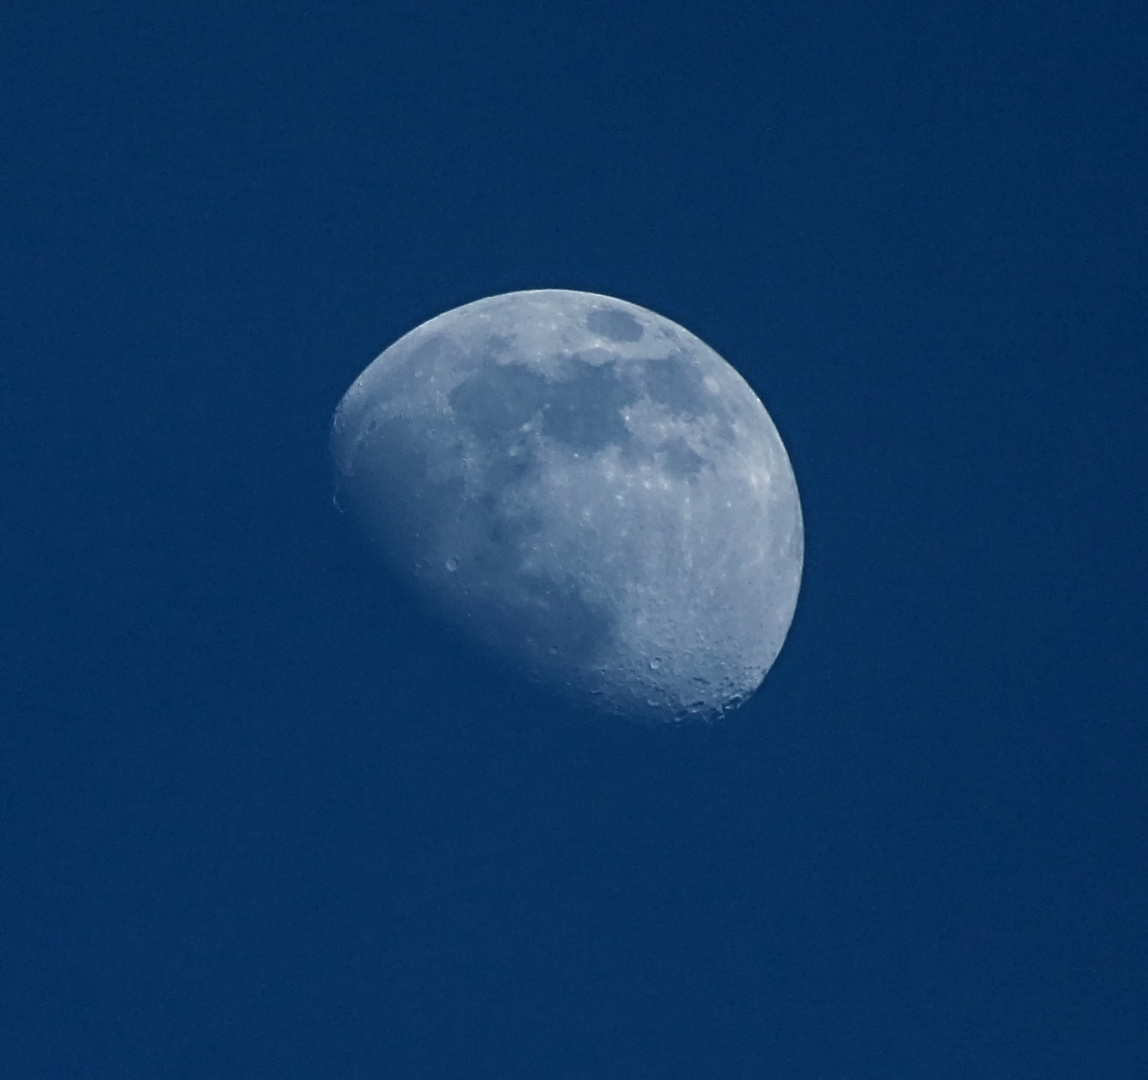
[{"x": 588, "y": 491}]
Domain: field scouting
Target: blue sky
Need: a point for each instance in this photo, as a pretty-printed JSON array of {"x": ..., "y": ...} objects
[{"x": 260, "y": 819}]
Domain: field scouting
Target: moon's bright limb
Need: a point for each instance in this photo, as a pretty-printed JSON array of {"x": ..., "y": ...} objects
[{"x": 588, "y": 490}]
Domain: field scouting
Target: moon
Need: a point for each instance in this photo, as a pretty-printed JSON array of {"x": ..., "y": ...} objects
[{"x": 588, "y": 491}]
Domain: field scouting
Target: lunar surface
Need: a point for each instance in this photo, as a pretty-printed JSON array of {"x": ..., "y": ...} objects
[{"x": 588, "y": 491}]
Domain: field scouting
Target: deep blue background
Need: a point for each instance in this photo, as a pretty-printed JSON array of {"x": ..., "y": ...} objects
[{"x": 254, "y": 823}]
